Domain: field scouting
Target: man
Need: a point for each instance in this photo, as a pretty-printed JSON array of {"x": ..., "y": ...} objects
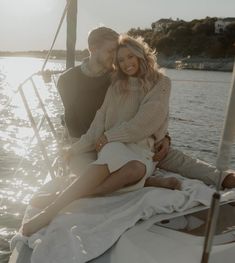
[{"x": 82, "y": 90}]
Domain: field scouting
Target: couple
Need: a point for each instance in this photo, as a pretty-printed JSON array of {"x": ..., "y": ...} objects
[{"x": 118, "y": 151}]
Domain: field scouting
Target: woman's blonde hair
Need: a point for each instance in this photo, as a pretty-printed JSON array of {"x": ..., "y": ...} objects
[{"x": 148, "y": 68}]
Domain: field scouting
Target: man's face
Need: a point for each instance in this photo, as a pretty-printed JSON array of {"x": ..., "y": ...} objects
[{"x": 105, "y": 54}]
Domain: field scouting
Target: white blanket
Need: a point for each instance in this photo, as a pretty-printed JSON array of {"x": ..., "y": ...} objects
[{"x": 88, "y": 227}]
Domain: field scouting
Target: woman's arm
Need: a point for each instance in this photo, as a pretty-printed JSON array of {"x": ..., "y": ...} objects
[{"x": 152, "y": 114}]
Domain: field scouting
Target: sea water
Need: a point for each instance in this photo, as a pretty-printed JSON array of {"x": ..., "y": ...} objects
[{"x": 197, "y": 109}]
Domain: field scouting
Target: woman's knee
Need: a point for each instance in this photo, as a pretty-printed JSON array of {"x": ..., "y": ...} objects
[{"x": 136, "y": 170}]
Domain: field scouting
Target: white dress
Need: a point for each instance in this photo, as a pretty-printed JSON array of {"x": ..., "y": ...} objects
[{"x": 115, "y": 155}]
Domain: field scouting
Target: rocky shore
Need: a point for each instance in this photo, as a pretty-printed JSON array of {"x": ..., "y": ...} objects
[{"x": 197, "y": 63}]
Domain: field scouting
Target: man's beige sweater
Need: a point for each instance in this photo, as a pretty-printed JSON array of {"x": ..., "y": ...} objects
[{"x": 130, "y": 117}]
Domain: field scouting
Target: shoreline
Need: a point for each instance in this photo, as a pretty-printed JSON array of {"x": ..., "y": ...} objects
[
  {"x": 192, "y": 63},
  {"x": 197, "y": 63}
]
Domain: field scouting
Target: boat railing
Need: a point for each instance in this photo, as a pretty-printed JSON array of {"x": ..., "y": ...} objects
[{"x": 37, "y": 123}]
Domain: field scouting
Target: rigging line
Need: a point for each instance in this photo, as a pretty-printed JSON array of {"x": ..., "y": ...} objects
[{"x": 56, "y": 34}]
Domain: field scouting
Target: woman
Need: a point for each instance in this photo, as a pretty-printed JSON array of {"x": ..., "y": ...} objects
[{"x": 124, "y": 131}]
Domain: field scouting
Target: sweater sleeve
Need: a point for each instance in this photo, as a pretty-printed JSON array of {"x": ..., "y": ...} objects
[
  {"x": 152, "y": 113},
  {"x": 65, "y": 87},
  {"x": 96, "y": 129}
]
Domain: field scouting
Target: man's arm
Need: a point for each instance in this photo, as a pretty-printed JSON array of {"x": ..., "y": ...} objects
[
  {"x": 162, "y": 148},
  {"x": 65, "y": 87}
]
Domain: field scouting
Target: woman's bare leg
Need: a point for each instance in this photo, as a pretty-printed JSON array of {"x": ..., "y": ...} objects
[
  {"x": 168, "y": 182},
  {"x": 95, "y": 181},
  {"x": 44, "y": 199},
  {"x": 129, "y": 174},
  {"x": 51, "y": 190},
  {"x": 82, "y": 186}
]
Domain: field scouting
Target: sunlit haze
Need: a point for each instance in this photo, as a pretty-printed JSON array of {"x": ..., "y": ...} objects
[{"x": 31, "y": 24}]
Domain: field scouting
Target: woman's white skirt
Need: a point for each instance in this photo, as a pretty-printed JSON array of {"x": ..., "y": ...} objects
[{"x": 115, "y": 155}]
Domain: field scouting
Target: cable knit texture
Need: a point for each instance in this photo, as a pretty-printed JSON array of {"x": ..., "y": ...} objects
[{"x": 133, "y": 116}]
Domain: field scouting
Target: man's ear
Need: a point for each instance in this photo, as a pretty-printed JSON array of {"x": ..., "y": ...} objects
[{"x": 92, "y": 48}]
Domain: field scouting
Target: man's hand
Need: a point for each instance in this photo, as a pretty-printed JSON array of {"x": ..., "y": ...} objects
[
  {"x": 161, "y": 149},
  {"x": 101, "y": 142}
]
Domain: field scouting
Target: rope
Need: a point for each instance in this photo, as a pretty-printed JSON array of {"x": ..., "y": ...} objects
[{"x": 57, "y": 32}]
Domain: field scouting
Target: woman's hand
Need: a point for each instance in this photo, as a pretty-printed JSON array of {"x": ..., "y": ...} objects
[
  {"x": 101, "y": 142},
  {"x": 161, "y": 149}
]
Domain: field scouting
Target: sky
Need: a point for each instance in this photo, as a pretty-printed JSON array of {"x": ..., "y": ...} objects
[{"x": 31, "y": 24}]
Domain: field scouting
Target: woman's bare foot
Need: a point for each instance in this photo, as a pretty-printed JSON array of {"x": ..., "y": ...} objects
[
  {"x": 168, "y": 182},
  {"x": 43, "y": 200},
  {"x": 36, "y": 223},
  {"x": 229, "y": 181}
]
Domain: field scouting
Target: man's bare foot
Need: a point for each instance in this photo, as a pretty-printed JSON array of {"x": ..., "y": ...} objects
[
  {"x": 36, "y": 223},
  {"x": 229, "y": 181},
  {"x": 43, "y": 200},
  {"x": 168, "y": 182}
]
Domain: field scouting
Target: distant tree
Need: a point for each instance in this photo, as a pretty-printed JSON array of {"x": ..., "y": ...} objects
[
  {"x": 206, "y": 28},
  {"x": 230, "y": 30},
  {"x": 165, "y": 46},
  {"x": 215, "y": 49},
  {"x": 176, "y": 24},
  {"x": 197, "y": 44},
  {"x": 179, "y": 32},
  {"x": 196, "y": 37}
]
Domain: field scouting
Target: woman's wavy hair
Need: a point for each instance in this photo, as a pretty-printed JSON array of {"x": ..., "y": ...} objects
[{"x": 149, "y": 72}]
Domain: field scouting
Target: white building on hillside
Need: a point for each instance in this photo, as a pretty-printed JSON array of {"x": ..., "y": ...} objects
[{"x": 220, "y": 24}]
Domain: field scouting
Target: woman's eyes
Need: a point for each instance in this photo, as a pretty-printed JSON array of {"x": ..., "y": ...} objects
[{"x": 122, "y": 59}]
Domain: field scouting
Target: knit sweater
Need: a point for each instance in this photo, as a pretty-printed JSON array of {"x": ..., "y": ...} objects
[{"x": 130, "y": 117}]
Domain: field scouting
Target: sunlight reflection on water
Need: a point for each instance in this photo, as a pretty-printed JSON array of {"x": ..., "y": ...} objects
[{"x": 21, "y": 165}]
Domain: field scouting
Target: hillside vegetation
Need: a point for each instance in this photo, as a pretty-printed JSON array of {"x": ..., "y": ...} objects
[{"x": 194, "y": 38}]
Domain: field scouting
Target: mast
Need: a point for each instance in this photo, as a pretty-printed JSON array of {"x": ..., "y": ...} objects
[
  {"x": 71, "y": 33},
  {"x": 222, "y": 164}
]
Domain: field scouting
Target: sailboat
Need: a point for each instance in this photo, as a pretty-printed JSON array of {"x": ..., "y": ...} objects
[{"x": 151, "y": 237}]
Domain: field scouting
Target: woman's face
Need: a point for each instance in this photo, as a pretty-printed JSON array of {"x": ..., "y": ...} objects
[{"x": 127, "y": 61}]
